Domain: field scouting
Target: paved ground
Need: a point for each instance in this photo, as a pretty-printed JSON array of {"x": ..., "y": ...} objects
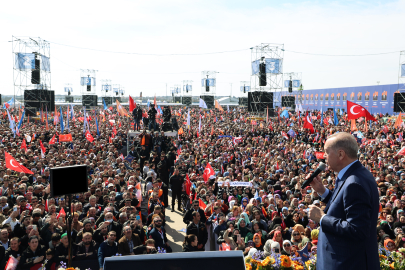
[{"x": 174, "y": 223}]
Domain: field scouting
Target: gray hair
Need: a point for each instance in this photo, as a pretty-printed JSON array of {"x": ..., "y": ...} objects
[{"x": 346, "y": 142}]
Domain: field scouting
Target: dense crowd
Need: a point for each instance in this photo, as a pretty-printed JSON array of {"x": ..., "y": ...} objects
[{"x": 251, "y": 200}]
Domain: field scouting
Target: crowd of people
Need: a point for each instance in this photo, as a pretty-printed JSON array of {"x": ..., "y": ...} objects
[{"x": 235, "y": 177}]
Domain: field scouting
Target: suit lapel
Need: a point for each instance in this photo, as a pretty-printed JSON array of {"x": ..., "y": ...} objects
[{"x": 355, "y": 166}]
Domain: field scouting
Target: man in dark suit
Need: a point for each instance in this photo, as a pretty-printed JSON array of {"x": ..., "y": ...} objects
[
  {"x": 158, "y": 234},
  {"x": 347, "y": 237},
  {"x": 198, "y": 229},
  {"x": 128, "y": 242}
]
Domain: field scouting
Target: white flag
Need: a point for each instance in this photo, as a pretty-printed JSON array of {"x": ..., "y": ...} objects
[{"x": 202, "y": 104}]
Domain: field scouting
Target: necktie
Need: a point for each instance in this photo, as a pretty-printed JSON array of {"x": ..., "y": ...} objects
[{"x": 337, "y": 184}]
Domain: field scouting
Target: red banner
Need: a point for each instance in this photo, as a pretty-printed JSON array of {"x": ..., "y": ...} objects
[
  {"x": 319, "y": 155},
  {"x": 65, "y": 138}
]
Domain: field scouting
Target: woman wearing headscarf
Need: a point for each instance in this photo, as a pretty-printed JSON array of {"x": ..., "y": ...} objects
[
  {"x": 386, "y": 228},
  {"x": 278, "y": 237},
  {"x": 257, "y": 240},
  {"x": 286, "y": 248},
  {"x": 244, "y": 203},
  {"x": 243, "y": 230},
  {"x": 253, "y": 229},
  {"x": 389, "y": 245}
]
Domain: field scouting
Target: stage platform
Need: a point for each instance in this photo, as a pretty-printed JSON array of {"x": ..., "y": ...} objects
[{"x": 213, "y": 260}]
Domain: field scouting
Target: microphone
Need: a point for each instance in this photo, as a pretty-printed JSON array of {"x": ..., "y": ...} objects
[{"x": 321, "y": 168}]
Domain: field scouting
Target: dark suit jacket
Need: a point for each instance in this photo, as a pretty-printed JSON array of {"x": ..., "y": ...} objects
[
  {"x": 155, "y": 235},
  {"x": 347, "y": 237},
  {"x": 123, "y": 247}
]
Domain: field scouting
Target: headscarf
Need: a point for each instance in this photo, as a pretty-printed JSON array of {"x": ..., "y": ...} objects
[
  {"x": 286, "y": 241},
  {"x": 244, "y": 200},
  {"x": 257, "y": 235},
  {"x": 246, "y": 218},
  {"x": 386, "y": 241},
  {"x": 276, "y": 233},
  {"x": 243, "y": 231}
]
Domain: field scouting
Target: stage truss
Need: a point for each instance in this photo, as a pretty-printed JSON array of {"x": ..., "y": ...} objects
[
  {"x": 24, "y": 64},
  {"x": 210, "y": 78},
  {"x": 106, "y": 88},
  {"x": 187, "y": 88},
  {"x": 401, "y": 79},
  {"x": 88, "y": 78},
  {"x": 297, "y": 87},
  {"x": 274, "y": 53},
  {"x": 244, "y": 89}
]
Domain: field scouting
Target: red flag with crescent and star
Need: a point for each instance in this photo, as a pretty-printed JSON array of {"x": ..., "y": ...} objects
[
  {"x": 355, "y": 111},
  {"x": 209, "y": 171},
  {"x": 12, "y": 164},
  {"x": 308, "y": 123},
  {"x": 89, "y": 137}
]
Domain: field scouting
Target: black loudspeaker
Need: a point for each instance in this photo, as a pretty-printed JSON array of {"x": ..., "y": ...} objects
[
  {"x": 399, "y": 102},
  {"x": 69, "y": 99},
  {"x": 88, "y": 88},
  {"x": 38, "y": 99},
  {"x": 207, "y": 88},
  {"x": 243, "y": 101},
  {"x": 177, "y": 99},
  {"x": 61, "y": 176},
  {"x": 0, "y": 100},
  {"x": 35, "y": 73},
  {"x": 179, "y": 261},
  {"x": 186, "y": 100},
  {"x": 259, "y": 101},
  {"x": 290, "y": 86},
  {"x": 262, "y": 74},
  {"x": 209, "y": 100},
  {"x": 288, "y": 101},
  {"x": 89, "y": 100},
  {"x": 30, "y": 111},
  {"x": 107, "y": 100}
]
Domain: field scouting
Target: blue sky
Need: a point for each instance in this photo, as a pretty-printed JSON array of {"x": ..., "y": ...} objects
[{"x": 179, "y": 26}]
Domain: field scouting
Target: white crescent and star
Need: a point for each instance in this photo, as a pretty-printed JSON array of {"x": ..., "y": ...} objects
[
  {"x": 11, "y": 163},
  {"x": 351, "y": 109}
]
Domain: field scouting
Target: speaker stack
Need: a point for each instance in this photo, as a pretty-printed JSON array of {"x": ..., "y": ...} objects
[
  {"x": 69, "y": 99},
  {"x": 288, "y": 101},
  {"x": 89, "y": 100},
  {"x": 35, "y": 99},
  {"x": 399, "y": 102},
  {"x": 186, "y": 100},
  {"x": 209, "y": 100},
  {"x": 259, "y": 101},
  {"x": 243, "y": 101},
  {"x": 108, "y": 100}
]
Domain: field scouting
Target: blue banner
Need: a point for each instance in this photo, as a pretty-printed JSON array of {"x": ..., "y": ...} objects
[
  {"x": 209, "y": 81},
  {"x": 106, "y": 87},
  {"x": 25, "y": 61},
  {"x": 286, "y": 83},
  {"x": 273, "y": 65},
  {"x": 403, "y": 70},
  {"x": 296, "y": 83},
  {"x": 69, "y": 89},
  {"x": 187, "y": 87},
  {"x": 255, "y": 67},
  {"x": 247, "y": 88},
  {"x": 116, "y": 90},
  {"x": 88, "y": 81},
  {"x": 375, "y": 98},
  {"x": 45, "y": 65}
]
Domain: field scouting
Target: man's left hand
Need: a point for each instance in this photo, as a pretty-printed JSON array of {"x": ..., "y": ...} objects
[{"x": 315, "y": 213}]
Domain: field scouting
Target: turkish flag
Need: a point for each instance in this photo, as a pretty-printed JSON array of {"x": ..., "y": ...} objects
[
  {"x": 24, "y": 145},
  {"x": 12, "y": 262},
  {"x": 61, "y": 212},
  {"x": 188, "y": 185},
  {"x": 53, "y": 140},
  {"x": 319, "y": 155},
  {"x": 12, "y": 164},
  {"x": 89, "y": 137},
  {"x": 202, "y": 204},
  {"x": 132, "y": 104},
  {"x": 43, "y": 150},
  {"x": 401, "y": 152},
  {"x": 65, "y": 138},
  {"x": 308, "y": 123},
  {"x": 209, "y": 171},
  {"x": 355, "y": 111}
]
